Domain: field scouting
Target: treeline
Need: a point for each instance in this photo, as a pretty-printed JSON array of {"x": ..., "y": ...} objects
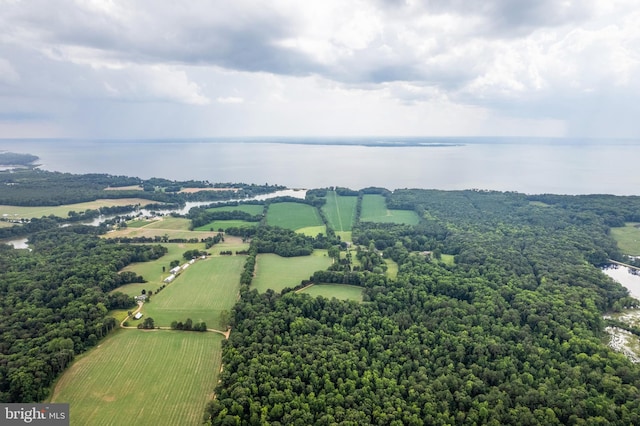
[
  {"x": 201, "y": 216},
  {"x": 511, "y": 333},
  {"x": 15, "y": 159},
  {"x": 54, "y": 302},
  {"x": 35, "y": 187}
]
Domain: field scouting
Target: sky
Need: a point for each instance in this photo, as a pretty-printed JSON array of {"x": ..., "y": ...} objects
[{"x": 122, "y": 69}]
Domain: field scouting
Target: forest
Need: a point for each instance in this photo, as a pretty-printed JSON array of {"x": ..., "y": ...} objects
[{"x": 511, "y": 333}]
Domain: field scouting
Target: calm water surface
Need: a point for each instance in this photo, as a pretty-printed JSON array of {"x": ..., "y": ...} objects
[{"x": 529, "y": 167}]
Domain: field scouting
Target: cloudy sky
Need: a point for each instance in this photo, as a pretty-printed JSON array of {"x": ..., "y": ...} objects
[{"x": 156, "y": 68}]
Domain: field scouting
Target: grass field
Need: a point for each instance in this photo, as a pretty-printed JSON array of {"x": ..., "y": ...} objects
[
  {"x": 152, "y": 270},
  {"x": 374, "y": 209},
  {"x": 392, "y": 268},
  {"x": 171, "y": 227},
  {"x": 252, "y": 209},
  {"x": 201, "y": 293},
  {"x": 275, "y": 272},
  {"x": 313, "y": 231},
  {"x": 293, "y": 216},
  {"x": 339, "y": 291},
  {"x": 628, "y": 238},
  {"x": 142, "y": 378},
  {"x": 448, "y": 259},
  {"x": 224, "y": 224},
  {"x": 18, "y": 212},
  {"x": 340, "y": 211}
]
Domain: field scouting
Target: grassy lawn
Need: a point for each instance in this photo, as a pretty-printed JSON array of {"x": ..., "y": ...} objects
[
  {"x": 252, "y": 209},
  {"x": 628, "y": 238},
  {"x": 201, "y": 293},
  {"x": 374, "y": 209},
  {"x": 18, "y": 212},
  {"x": 224, "y": 224},
  {"x": 142, "y": 378},
  {"x": 392, "y": 268},
  {"x": 275, "y": 272},
  {"x": 339, "y": 291},
  {"x": 340, "y": 211},
  {"x": 448, "y": 259},
  {"x": 313, "y": 231},
  {"x": 293, "y": 216}
]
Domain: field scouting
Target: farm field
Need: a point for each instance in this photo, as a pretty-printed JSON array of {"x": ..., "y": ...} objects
[
  {"x": 19, "y": 212},
  {"x": 152, "y": 270},
  {"x": 374, "y": 209},
  {"x": 216, "y": 225},
  {"x": 293, "y": 216},
  {"x": 340, "y": 211},
  {"x": 142, "y": 378},
  {"x": 275, "y": 272},
  {"x": 167, "y": 226},
  {"x": 201, "y": 293},
  {"x": 252, "y": 209},
  {"x": 628, "y": 238},
  {"x": 339, "y": 291}
]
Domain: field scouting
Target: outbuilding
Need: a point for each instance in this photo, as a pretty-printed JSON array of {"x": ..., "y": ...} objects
[{"x": 138, "y": 315}]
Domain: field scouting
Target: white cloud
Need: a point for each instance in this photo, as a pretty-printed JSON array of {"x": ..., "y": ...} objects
[{"x": 495, "y": 61}]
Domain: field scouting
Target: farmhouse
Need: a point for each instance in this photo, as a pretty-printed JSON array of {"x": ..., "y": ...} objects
[
  {"x": 141, "y": 298},
  {"x": 137, "y": 315}
]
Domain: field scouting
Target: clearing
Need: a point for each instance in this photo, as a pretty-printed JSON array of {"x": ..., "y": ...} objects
[
  {"x": 201, "y": 293},
  {"x": 340, "y": 211},
  {"x": 276, "y": 272},
  {"x": 374, "y": 209},
  {"x": 628, "y": 238},
  {"x": 339, "y": 291},
  {"x": 293, "y": 216},
  {"x": 142, "y": 378}
]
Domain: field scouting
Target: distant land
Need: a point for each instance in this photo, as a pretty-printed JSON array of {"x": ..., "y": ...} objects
[{"x": 17, "y": 160}]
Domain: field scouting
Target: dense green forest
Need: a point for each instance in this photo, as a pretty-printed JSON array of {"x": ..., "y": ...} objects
[{"x": 512, "y": 333}]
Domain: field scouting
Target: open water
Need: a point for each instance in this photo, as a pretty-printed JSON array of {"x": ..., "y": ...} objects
[{"x": 532, "y": 166}]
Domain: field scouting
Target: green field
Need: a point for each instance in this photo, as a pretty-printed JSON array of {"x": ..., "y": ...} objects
[
  {"x": 392, "y": 268},
  {"x": 374, "y": 209},
  {"x": 201, "y": 293},
  {"x": 252, "y": 209},
  {"x": 448, "y": 259},
  {"x": 216, "y": 225},
  {"x": 152, "y": 270},
  {"x": 340, "y": 211},
  {"x": 293, "y": 216},
  {"x": 142, "y": 378},
  {"x": 339, "y": 291},
  {"x": 628, "y": 238},
  {"x": 275, "y": 272},
  {"x": 19, "y": 212}
]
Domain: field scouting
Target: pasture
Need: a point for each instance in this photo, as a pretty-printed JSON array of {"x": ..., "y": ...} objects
[
  {"x": 275, "y": 272},
  {"x": 293, "y": 216},
  {"x": 374, "y": 209},
  {"x": 392, "y": 268},
  {"x": 340, "y": 211},
  {"x": 152, "y": 270},
  {"x": 339, "y": 291},
  {"x": 448, "y": 259},
  {"x": 167, "y": 226},
  {"x": 252, "y": 209},
  {"x": 142, "y": 378},
  {"x": 216, "y": 225},
  {"x": 19, "y": 212},
  {"x": 201, "y": 293},
  {"x": 628, "y": 238}
]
